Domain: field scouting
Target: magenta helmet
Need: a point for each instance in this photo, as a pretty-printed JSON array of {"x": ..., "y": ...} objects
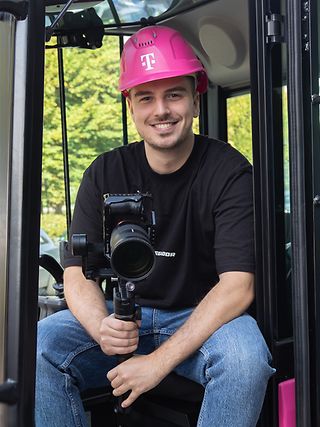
[{"x": 155, "y": 53}]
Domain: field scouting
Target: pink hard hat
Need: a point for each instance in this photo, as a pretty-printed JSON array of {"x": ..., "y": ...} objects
[{"x": 155, "y": 53}]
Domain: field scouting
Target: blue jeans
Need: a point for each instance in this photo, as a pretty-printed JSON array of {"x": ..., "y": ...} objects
[{"x": 232, "y": 365}]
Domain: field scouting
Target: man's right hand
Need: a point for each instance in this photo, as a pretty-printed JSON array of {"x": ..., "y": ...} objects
[{"x": 118, "y": 336}]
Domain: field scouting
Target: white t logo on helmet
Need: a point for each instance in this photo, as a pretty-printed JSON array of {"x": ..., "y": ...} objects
[{"x": 147, "y": 61}]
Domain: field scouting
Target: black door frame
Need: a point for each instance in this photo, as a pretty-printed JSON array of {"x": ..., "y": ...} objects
[
  {"x": 267, "y": 81},
  {"x": 21, "y": 239}
]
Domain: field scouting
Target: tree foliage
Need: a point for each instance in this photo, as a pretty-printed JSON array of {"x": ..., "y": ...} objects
[
  {"x": 93, "y": 113},
  {"x": 239, "y": 124}
]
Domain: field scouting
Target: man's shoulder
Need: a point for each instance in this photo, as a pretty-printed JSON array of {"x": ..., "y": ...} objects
[
  {"x": 212, "y": 142},
  {"x": 122, "y": 153},
  {"x": 124, "y": 150},
  {"x": 219, "y": 150}
]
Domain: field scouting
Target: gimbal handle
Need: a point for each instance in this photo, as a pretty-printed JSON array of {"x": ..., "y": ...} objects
[{"x": 124, "y": 309}]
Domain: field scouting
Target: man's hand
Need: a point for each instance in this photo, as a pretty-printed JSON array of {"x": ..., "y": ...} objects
[
  {"x": 138, "y": 375},
  {"x": 118, "y": 336}
]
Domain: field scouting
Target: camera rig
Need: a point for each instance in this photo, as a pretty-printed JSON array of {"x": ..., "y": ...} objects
[{"x": 128, "y": 239}]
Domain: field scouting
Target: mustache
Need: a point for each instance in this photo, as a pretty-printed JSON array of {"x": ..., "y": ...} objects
[{"x": 164, "y": 119}]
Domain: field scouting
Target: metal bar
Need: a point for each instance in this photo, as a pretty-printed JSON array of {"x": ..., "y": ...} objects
[
  {"x": 124, "y": 106},
  {"x": 14, "y": 315},
  {"x": 298, "y": 214},
  {"x": 314, "y": 14},
  {"x": 24, "y": 213},
  {"x": 222, "y": 115},
  {"x": 260, "y": 86},
  {"x": 203, "y": 117},
  {"x": 64, "y": 139},
  {"x": 7, "y": 43},
  {"x": 114, "y": 13},
  {"x": 265, "y": 65}
]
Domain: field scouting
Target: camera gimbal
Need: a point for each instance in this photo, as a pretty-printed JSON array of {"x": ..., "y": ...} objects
[{"x": 128, "y": 238}]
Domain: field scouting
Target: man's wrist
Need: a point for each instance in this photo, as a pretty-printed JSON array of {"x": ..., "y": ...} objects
[{"x": 163, "y": 361}]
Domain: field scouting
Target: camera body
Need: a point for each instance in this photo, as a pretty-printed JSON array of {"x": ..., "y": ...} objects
[
  {"x": 128, "y": 239},
  {"x": 129, "y": 232}
]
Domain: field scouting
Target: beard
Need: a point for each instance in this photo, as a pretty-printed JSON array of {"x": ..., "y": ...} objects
[{"x": 168, "y": 141}]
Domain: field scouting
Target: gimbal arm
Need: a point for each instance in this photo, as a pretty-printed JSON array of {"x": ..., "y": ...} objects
[{"x": 124, "y": 309}]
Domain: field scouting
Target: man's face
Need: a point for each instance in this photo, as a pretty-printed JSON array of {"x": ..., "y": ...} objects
[{"x": 163, "y": 111}]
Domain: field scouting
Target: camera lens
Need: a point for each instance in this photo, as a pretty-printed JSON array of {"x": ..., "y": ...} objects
[{"x": 132, "y": 256}]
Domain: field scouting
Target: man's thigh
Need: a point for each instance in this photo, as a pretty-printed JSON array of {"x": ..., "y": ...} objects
[{"x": 237, "y": 346}]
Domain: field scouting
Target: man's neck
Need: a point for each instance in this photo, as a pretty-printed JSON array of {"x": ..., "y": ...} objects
[{"x": 165, "y": 161}]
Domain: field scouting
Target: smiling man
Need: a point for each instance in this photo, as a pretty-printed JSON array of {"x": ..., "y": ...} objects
[
  {"x": 163, "y": 112},
  {"x": 194, "y": 303}
]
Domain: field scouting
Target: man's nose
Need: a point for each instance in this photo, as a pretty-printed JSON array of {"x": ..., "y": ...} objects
[{"x": 161, "y": 107}]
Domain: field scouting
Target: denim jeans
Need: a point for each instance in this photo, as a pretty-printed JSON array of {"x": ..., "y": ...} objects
[{"x": 232, "y": 365}]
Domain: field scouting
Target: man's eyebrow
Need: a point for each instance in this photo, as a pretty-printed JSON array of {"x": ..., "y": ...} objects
[
  {"x": 177, "y": 89},
  {"x": 150, "y": 92},
  {"x": 143, "y": 93}
]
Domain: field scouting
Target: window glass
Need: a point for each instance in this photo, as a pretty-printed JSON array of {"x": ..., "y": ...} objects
[
  {"x": 94, "y": 116},
  {"x": 111, "y": 11},
  {"x": 239, "y": 124},
  {"x": 53, "y": 222},
  {"x": 133, "y": 10},
  {"x": 285, "y": 291},
  {"x": 94, "y": 125},
  {"x": 286, "y": 170},
  {"x": 125, "y": 11}
]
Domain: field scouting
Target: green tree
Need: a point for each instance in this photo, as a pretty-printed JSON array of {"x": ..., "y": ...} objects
[
  {"x": 239, "y": 124},
  {"x": 93, "y": 115}
]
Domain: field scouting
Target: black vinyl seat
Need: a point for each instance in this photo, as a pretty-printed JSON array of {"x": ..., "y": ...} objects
[{"x": 174, "y": 402}]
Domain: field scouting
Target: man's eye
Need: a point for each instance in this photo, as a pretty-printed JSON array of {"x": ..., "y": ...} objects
[
  {"x": 174, "y": 95},
  {"x": 145, "y": 99}
]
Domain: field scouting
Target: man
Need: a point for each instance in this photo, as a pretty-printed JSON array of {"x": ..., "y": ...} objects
[{"x": 194, "y": 302}]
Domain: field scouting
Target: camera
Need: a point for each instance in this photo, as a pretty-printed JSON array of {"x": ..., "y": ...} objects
[
  {"x": 128, "y": 238},
  {"x": 128, "y": 229}
]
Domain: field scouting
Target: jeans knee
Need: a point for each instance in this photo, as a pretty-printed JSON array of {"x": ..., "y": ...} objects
[
  {"x": 46, "y": 343},
  {"x": 245, "y": 365},
  {"x": 53, "y": 336}
]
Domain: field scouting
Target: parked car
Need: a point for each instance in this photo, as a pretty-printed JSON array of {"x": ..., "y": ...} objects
[{"x": 46, "y": 280}]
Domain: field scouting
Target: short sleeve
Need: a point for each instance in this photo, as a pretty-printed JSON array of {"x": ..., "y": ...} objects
[{"x": 234, "y": 223}]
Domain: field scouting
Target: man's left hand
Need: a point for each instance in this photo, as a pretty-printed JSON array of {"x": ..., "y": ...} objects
[{"x": 137, "y": 375}]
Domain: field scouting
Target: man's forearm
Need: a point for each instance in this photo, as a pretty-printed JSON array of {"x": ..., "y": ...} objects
[
  {"x": 85, "y": 300},
  {"x": 227, "y": 300}
]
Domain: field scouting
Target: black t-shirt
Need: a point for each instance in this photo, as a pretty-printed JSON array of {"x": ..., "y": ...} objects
[{"x": 204, "y": 217}]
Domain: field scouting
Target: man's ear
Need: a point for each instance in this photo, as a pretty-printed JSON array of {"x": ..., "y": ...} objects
[
  {"x": 129, "y": 101},
  {"x": 196, "y": 105}
]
